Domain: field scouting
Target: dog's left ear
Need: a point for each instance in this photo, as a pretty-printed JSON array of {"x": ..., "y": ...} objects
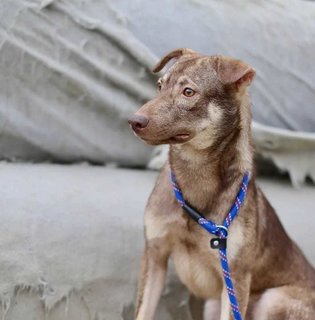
[
  {"x": 176, "y": 54},
  {"x": 231, "y": 71}
]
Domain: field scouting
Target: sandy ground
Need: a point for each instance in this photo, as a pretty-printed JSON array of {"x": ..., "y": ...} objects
[{"x": 71, "y": 239}]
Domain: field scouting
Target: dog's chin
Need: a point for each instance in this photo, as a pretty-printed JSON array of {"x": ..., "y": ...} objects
[{"x": 177, "y": 139}]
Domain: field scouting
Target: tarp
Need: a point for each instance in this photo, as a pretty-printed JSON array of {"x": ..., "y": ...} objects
[
  {"x": 71, "y": 240},
  {"x": 73, "y": 71},
  {"x": 70, "y": 77},
  {"x": 71, "y": 246}
]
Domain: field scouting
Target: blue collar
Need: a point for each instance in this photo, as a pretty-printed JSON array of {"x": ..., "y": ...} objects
[{"x": 213, "y": 228}]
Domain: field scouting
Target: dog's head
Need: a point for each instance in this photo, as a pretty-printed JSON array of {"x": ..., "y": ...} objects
[{"x": 198, "y": 100}]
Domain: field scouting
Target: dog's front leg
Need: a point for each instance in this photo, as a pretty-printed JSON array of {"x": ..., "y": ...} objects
[
  {"x": 242, "y": 289},
  {"x": 152, "y": 278}
]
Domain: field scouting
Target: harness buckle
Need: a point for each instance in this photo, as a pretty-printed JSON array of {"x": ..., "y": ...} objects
[
  {"x": 222, "y": 233},
  {"x": 218, "y": 243}
]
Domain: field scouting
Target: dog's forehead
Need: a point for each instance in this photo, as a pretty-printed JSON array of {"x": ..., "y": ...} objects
[{"x": 200, "y": 70}]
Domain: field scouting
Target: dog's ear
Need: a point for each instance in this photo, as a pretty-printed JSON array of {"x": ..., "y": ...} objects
[
  {"x": 176, "y": 54},
  {"x": 231, "y": 71}
]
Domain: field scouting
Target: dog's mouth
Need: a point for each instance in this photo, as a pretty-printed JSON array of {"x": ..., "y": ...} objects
[
  {"x": 178, "y": 138},
  {"x": 181, "y": 137}
]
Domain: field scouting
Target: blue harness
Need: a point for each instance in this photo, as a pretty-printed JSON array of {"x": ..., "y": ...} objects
[{"x": 221, "y": 231}]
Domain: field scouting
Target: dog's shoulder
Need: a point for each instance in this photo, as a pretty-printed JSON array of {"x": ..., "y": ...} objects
[{"x": 162, "y": 211}]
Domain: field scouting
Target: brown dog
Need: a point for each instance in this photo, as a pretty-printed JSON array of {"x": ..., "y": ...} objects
[{"x": 203, "y": 112}]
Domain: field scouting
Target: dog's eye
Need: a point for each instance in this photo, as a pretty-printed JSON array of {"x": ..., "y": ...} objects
[{"x": 188, "y": 92}]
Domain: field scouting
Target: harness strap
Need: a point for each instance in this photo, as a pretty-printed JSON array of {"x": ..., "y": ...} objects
[{"x": 221, "y": 231}]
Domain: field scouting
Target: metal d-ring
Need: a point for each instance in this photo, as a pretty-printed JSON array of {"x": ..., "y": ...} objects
[{"x": 220, "y": 227}]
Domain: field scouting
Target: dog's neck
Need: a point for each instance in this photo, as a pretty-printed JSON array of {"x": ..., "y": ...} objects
[{"x": 210, "y": 178}]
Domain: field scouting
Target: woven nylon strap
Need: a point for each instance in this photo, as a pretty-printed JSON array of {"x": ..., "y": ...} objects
[{"x": 221, "y": 231}]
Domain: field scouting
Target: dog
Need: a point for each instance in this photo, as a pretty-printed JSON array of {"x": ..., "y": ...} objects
[{"x": 203, "y": 112}]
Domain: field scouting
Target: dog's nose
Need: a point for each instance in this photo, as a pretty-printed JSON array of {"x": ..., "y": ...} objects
[{"x": 138, "y": 122}]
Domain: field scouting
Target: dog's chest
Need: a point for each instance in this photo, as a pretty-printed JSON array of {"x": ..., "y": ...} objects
[
  {"x": 198, "y": 265},
  {"x": 197, "y": 269}
]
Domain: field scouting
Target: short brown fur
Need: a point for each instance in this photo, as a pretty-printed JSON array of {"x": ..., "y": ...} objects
[{"x": 210, "y": 149}]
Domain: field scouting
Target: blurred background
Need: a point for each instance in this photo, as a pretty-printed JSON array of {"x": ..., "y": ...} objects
[{"x": 74, "y": 179}]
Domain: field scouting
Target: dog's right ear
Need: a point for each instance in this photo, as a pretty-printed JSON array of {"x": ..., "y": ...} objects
[
  {"x": 176, "y": 54},
  {"x": 230, "y": 71}
]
